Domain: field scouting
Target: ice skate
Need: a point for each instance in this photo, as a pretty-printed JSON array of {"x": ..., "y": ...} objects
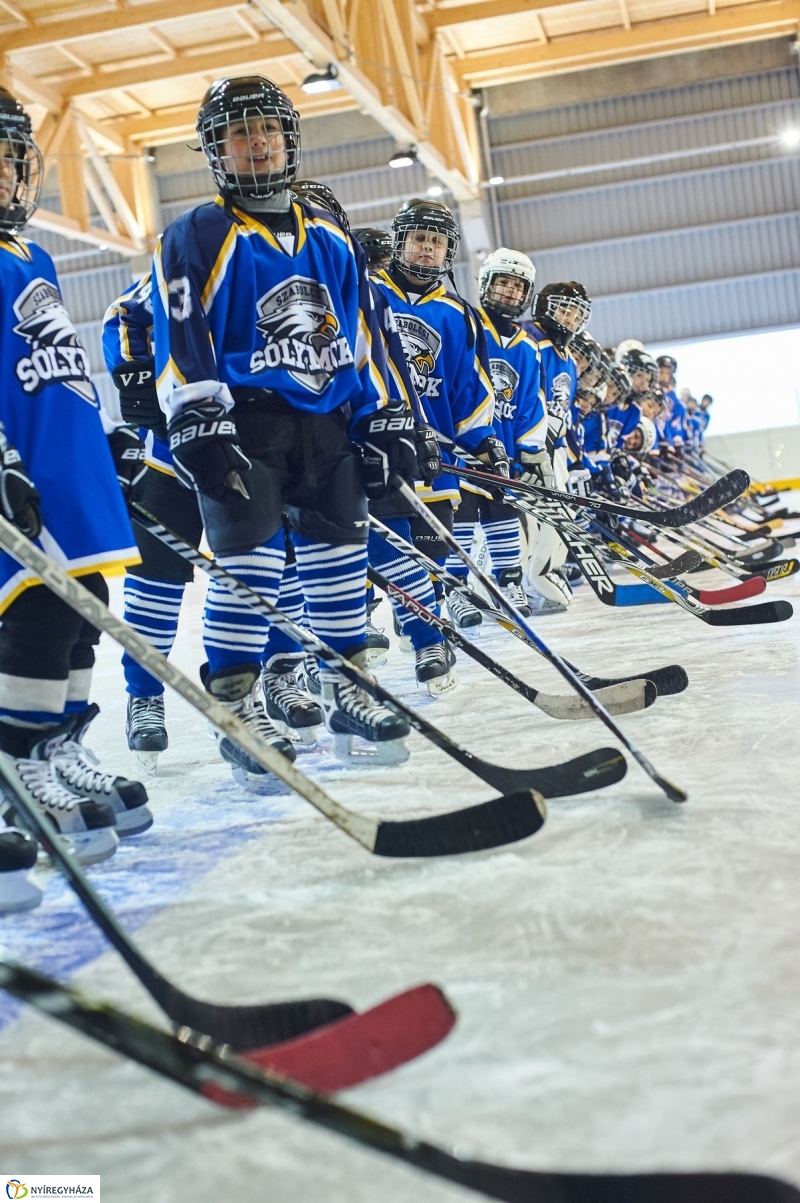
[
  {"x": 290, "y": 709},
  {"x": 146, "y": 731},
  {"x": 406, "y": 646},
  {"x": 88, "y": 825},
  {"x": 510, "y": 582},
  {"x": 548, "y": 593},
  {"x": 18, "y": 852},
  {"x": 351, "y": 713},
  {"x": 462, "y": 612},
  {"x": 76, "y": 768},
  {"x": 436, "y": 668},
  {"x": 377, "y": 646},
  {"x": 237, "y": 688}
]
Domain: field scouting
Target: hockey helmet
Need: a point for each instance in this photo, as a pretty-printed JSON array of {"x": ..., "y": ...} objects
[
  {"x": 647, "y": 429},
  {"x": 620, "y": 385},
  {"x": 634, "y": 362},
  {"x": 505, "y": 262},
  {"x": 322, "y": 197},
  {"x": 428, "y": 217},
  {"x": 562, "y": 310},
  {"x": 241, "y": 107},
  {"x": 627, "y": 344},
  {"x": 586, "y": 353},
  {"x": 21, "y": 181},
  {"x": 668, "y": 361},
  {"x": 377, "y": 245}
]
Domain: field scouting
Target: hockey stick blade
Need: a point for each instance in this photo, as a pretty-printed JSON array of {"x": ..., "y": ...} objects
[
  {"x": 686, "y": 562},
  {"x": 671, "y": 679},
  {"x": 731, "y": 593},
  {"x": 229, "y": 1081},
  {"x": 764, "y": 612},
  {"x": 777, "y": 571}
]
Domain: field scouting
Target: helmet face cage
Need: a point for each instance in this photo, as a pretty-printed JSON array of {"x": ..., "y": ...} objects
[
  {"x": 238, "y": 126},
  {"x": 647, "y": 433},
  {"x": 585, "y": 399},
  {"x": 584, "y": 346},
  {"x": 639, "y": 361},
  {"x": 322, "y": 197},
  {"x": 427, "y": 223},
  {"x": 377, "y": 245},
  {"x": 667, "y": 361},
  {"x": 562, "y": 312},
  {"x": 509, "y": 266},
  {"x": 22, "y": 161},
  {"x": 620, "y": 386},
  {"x": 655, "y": 395}
]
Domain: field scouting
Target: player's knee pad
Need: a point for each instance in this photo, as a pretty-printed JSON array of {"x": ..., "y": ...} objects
[
  {"x": 237, "y": 523},
  {"x": 337, "y": 513}
]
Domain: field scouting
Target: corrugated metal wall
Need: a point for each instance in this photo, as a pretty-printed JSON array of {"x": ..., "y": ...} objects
[{"x": 676, "y": 207}]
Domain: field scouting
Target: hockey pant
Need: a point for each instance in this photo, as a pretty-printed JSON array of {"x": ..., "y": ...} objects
[
  {"x": 428, "y": 542},
  {"x": 406, "y": 573},
  {"x": 500, "y": 527},
  {"x": 542, "y": 549}
]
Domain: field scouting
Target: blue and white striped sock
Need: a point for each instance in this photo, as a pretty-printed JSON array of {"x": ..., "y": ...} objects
[
  {"x": 291, "y": 602},
  {"x": 233, "y": 632},
  {"x": 502, "y": 539},
  {"x": 463, "y": 532},
  {"x": 152, "y": 608},
  {"x": 408, "y": 575},
  {"x": 333, "y": 578}
]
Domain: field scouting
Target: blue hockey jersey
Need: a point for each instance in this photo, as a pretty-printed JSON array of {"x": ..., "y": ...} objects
[
  {"x": 445, "y": 349},
  {"x": 50, "y": 413},
  {"x": 675, "y": 426},
  {"x": 233, "y": 308},
  {"x": 621, "y": 420},
  {"x": 520, "y": 416}
]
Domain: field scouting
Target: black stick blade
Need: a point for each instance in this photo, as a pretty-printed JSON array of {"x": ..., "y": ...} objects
[
  {"x": 684, "y": 563},
  {"x": 777, "y": 570},
  {"x": 503, "y": 820},
  {"x": 245, "y": 1027},
  {"x": 721, "y": 493},
  {"x": 673, "y": 678},
  {"x": 593, "y": 770},
  {"x": 741, "y": 616}
]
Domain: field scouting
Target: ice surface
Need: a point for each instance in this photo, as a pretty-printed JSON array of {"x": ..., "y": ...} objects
[{"x": 626, "y": 981}]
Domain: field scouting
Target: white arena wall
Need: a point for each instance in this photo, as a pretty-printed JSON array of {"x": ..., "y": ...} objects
[{"x": 768, "y": 455}]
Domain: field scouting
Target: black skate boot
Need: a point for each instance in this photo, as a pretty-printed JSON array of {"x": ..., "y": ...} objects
[
  {"x": 76, "y": 768},
  {"x": 436, "y": 668},
  {"x": 289, "y": 708},
  {"x": 237, "y": 689},
  {"x": 146, "y": 731},
  {"x": 461, "y": 610},
  {"x": 349, "y": 712},
  {"x": 406, "y": 646},
  {"x": 88, "y": 826},
  {"x": 510, "y": 582},
  {"x": 18, "y": 852}
]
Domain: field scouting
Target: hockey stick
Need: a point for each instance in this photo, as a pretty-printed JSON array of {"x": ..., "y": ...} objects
[
  {"x": 226, "y": 1080},
  {"x": 499, "y": 821},
  {"x": 721, "y": 493},
  {"x": 674, "y": 793},
  {"x": 584, "y": 773},
  {"x": 668, "y": 680},
  {"x": 637, "y": 696}
]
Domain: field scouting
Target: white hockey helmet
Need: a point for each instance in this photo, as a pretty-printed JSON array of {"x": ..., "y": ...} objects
[
  {"x": 647, "y": 429},
  {"x": 505, "y": 262},
  {"x": 627, "y": 344}
]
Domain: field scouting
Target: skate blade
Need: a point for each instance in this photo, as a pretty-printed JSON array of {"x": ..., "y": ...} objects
[
  {"x": 261, "y": 783},
  {"x": 375, "y": 657},
  {"x": 305, "y": 739},
  {"x": 17, "y": 893},
  {"x": 148, "y": 762},
  {"x": 440, "y": 685},
  {"x": 364, "y": 754}
]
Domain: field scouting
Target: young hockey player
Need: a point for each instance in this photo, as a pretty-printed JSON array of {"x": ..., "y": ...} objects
[
  {"x": 376, "y": 245},
  {"x": 445, "y": 348},
  {"x": 58, "y": 485},
  {"x": 621, "y": 410},
  {"x": 506, "y": 282},
  {"x": 267, "y": 372},
  {"x": 675, "y": 425}
]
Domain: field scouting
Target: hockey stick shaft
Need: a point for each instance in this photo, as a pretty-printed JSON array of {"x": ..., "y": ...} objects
[{"x": 673, "y": 792}]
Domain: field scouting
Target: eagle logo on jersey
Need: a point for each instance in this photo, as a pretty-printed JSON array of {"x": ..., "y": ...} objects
[
  {"x": 301, "y": 333},
  {"x": 421, "y": 345},
  {"x": 505, "y": 380},
  {"x": 56, "y": 356},
  {"x": 560, "y": 389}
]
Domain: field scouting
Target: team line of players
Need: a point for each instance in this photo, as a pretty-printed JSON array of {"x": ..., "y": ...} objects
[{"x": 277, "y": 372}]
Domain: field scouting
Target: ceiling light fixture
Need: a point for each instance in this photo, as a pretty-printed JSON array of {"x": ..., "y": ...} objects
[
  {"x": 435, "y": 190},
  {"x": 495, "y": 180},
  {"x": 403, "y": 158},
  {"x": 321, "y": 81},
  {"x": 791, "y": 138}
]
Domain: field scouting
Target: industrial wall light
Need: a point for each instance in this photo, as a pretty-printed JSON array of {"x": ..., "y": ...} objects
[
  {"x": 404, "y": 158},
  {"x": 322, "y": 81}
]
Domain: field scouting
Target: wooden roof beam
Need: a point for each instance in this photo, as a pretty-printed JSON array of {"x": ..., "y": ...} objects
[
  {"x": 60, "y": 29},
  {"x": 462, "y": 14}
]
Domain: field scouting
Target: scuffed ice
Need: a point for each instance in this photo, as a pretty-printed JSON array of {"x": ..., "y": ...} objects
[{"x": 627, "y": 981}]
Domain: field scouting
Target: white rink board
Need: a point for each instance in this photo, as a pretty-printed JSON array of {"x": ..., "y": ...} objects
[{"x": 626, "y": 981}]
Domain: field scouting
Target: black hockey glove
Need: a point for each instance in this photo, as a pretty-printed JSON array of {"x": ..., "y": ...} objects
[
  {"x": 621, "y": 465},
  {"x": 537, "y": 468},
  {"x": 19, "y": 501},
  {"x": 135, "y": 381},
  {"x": 128, "y": 452},
  {"x": 387, "y": 444},
  {"x": 493, "y": 453},
  {"x": 429, "y": 454},
  {"x": 205, "y": 449}
]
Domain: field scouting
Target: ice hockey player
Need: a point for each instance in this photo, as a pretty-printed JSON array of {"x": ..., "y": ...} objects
[
  {"x": 675, "y": 427},
  {"x": 267, "y": 373},
  {"x": 506, "y": 284},
  {"x": 445, "y": 348},
  {"x": 57, "y": 483},
  {"x": 621, "y": 410},
  {"x": 560, "y": 311},
  {"x": 376, "y": 245}
]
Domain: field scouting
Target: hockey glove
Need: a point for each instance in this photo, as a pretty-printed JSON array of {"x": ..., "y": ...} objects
[
  {"x": 429, "y": 455},
  {"x": 537, "y": 469},
  {"x": 387, "y": 443},
  {"x": 621, "y": 465},
  {"x": 578, "y": 481},
  {"x": 493, "y": 453},
  {"x": 205, "y": 449},
  {"x": 135, "y": 382},
  {"x": 556, "y": 421},
  {"x": 128, "y": 452},
  {"x": 19, "y": 501}
]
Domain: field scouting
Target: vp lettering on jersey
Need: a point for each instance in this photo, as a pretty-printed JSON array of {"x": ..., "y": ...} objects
[
  {"x": 505, "y": 380},
  {"x": 421, "y": 345},
  {"x": 301, "y": 333},
  {"x": 56, "y": 356}
]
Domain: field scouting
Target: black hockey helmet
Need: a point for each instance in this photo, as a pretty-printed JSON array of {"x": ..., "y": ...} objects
[
  {"x": 634, "y": 361},
  {"x": 18, "y": 200},
  {"x": 653, "y": 393},
  {"x": 248, "y": 99},
  {"x": 377, "y": 245},
  {"x": 667, "y": 361},
  {"x": 620, "y": 381},
  {"x": 322, "y": 197},
  {"x": 433, "y": 217},
  {"x": 562, "y": 310},
  {"x": 582, "y": 344}
]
